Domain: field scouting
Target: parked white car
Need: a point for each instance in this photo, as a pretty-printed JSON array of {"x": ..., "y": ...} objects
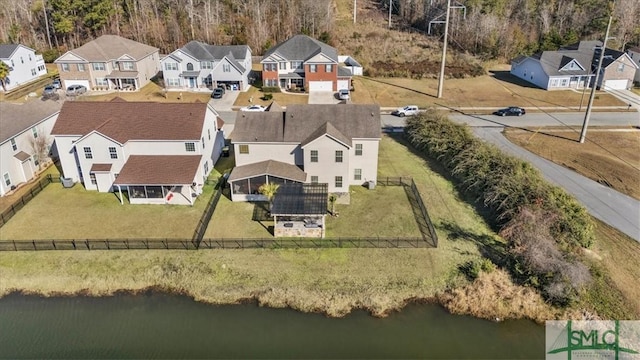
[
  {"x": 253, "y": 108},
  {"x": 343, "y": 94},
  {"x": 406, "y": 111}
]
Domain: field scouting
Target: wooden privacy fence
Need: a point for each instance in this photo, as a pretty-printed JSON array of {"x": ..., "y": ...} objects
[
  {"x": 24, "y": 199},
  {"x": 187, "y": 244}
]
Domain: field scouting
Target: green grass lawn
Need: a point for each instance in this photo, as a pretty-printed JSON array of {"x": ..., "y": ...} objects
[{"x": 59, "y": 213}]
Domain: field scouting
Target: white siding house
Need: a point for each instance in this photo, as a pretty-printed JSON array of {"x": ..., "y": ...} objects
[
  {"x": 160, "y": 153},
  {"x": 199, "y": 66},
  {"x": 335, "y": 145},
  {"x": 24, "y": 65},
  {"x": 19, "y": 126}
]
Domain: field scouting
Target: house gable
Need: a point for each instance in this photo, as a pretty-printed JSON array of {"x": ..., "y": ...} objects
[
  {"x": 88, "y": 138},
  {"x": 275, "y": 57},
  {"x": 69, "y": 56},
  {"x": 569, "y": 64},
  {"x": 126, "y": 57},
  {"x": 320, "y": 58}
]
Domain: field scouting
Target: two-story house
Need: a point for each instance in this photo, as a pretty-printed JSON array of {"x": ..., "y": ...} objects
[
  {"x": 109, "y": 62},
  {"x": 23, "y": 129},
  {"x": 201, "y": 66},
  {"x": 302, "y": 61},
  {"x": 24, "y": 65},
  {"x": 331, "y": 144},
  {"x": 159, "y": 153},
  {"x": 634, "y": 54},
  {"x": 574, "y": 66}
]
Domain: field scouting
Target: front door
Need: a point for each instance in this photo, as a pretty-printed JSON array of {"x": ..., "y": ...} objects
[{"x": 192, "y": 82}]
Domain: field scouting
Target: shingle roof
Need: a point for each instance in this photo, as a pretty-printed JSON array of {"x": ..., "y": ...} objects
[
  {"x": 302, "y": 47},
  {"x": 6, "y": 50},
  {"x": 22, "y": 156},
  {"x": 159, "y": 170},
  {"x": 343, "y": 71},
  {"x": 111, "y": 47},
  {"x": 268, "y": 167},
  {"x": 15, "y": 118},
  {"x": 352, "y": 121},
  {"x": 274, "y": 106},
  {"x": 327, "y": 129},
  {"x": 202, "y": 51},
  {"x": 635, "y": 49},
  {"x": 100, "y": 167},
  {"x": 124, "y": 121}
]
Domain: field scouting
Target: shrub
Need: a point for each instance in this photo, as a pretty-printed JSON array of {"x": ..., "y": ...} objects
[
  {"x": 50, "y": 55},
  {"x": 267, "y": 97},
  {"x": 271, "y": 89}
]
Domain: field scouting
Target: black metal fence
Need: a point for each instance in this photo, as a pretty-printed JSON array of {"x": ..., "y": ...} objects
[
  {"x": 201, "y": 228},
  {"x": 188, "y": 244},
  {"x": 24, "y": 199}
]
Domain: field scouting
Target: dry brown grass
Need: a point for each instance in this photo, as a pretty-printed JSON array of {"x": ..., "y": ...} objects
[
  {"x": 281, "y": 98},
  {"x": 490, "y": 91},
  {"x": 611, "y": 158},
  {"x": 151, "y": 92}
]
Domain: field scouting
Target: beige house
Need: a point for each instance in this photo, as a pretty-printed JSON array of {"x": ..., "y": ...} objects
[
  {"x": 109, "y": 62},
  {"x": 159, "y": 153},
  {"x": 318, "y": 144}
]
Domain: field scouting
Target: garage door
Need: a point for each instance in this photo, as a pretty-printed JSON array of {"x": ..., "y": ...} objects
[
  {"x": 84, "y": 83},
  {"x": 320, "y": 85},
  {"x": 343, "y": 84},
  {"x": 616, "y": 84}
]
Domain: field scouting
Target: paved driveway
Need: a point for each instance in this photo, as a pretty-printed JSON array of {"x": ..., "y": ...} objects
[
  {"x": 226, "y": 102},
  {"x": 628, "y": 97},
  {"x": 323, "y": 97}
]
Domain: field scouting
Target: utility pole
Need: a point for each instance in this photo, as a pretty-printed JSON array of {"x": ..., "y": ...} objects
[
  {"x": 355, "y": 4},
  {"x": 583, "y": 133},
  {"x": 46, "y": 22},
  {"x": 390, "y": 6},
  {"x": 444, "y": 51}
]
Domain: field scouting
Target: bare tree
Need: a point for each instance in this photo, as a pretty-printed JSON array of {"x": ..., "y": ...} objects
[{"x": 40, "y": 144}]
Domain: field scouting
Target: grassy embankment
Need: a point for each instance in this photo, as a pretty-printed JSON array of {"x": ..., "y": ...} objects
[{"x": 333, "y": 281}]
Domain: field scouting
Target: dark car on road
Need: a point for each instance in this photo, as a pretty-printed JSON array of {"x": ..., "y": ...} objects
[
  {"x": 510, "y": 111},
  {"x": 217, "y": 93}
]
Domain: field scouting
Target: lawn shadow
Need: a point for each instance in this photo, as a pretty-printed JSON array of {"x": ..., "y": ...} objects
[
  {"x": 400, "y": 87},
  {"x": 261, "y": 213},
  {"x": 423, "y": 226},
  {"x": 506, "y": 76},
  {"x": 488, "y": 246}
]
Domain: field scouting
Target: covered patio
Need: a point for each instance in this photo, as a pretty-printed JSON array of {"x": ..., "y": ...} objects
[
  {"x": 123, "y": 80},
  {"x": 245, "y": 180},
  {"x": 170, "y": 179},
  {"x": 299, "y": 210}
]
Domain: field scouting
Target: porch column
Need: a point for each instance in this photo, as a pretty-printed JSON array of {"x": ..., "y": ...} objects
[{"x": 120, "y": 191}]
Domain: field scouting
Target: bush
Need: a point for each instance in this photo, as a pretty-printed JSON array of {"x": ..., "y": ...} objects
[
  {"x": 50, "y": 55},
  {"x": 271, "y": 89},
  {"x": 267, "y": 97}
]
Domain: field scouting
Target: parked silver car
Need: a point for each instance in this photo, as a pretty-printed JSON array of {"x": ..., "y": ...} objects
[
  {"x": 408, "y": 110},
  {"x": 74, "y": 90}
]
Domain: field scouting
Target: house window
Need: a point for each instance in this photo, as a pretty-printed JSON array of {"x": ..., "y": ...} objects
[
  {"x": 7, "y": 179},
  {"x": 98, "y": 66},
  {"x": 328, "y": 68},
  {"x": 101, "y": 82},
  {"x": 296, "y": 65},
  {"x": 357, "y": 174},
  {"x": 127, "y": 65},
  {"x": 65, "y": 67},
  {"x": 190, "y": 147},
  {"x": 189, "y": 67},
  {"x": 21, "y": 59},
  {"x": 283, "y": 66},
  {"x": 269, "y": 67},
  {"x": 206, "y": 65},
  {"x": 87, "y": 153},
  {"x": 80, "y": 67},
  {"x": 206, "y": 167},
  {"x": 271, "y": 82},
  {"x": 12, "y": 64},
  {"x": 338, "y": 156},
  {"x": 227, "y": 68},
  {"x": 621, "y": 67},
  {"x": 338, "y": 181},
  {"x": 358, "y": 149},
  {"x": 554, "y": 82},
  {"x": 171, "y": 66},
  {"x": 34, "y": 131},
  {"x": 92, "y": 176},
  {"x": 244, "y": 149},
  {"x": 113, "y": 153},
  {"x": 36, "y": 160},
  {"x": 314, "y": 155},
  {"x": 203, "y": 142},
  {"x": 14, "y": 146},
  {"x": 314, "y": 179},
  {"x": 33, "y": 72},
  {"x": 209, "y": 133},
  {"x": 115, "y": 176},
  {"x": 173, "y": 82},
  {"x": 313, "y": 68},
  {"x": 564, "y": 82},
  {"x": 29, "y": 57}
]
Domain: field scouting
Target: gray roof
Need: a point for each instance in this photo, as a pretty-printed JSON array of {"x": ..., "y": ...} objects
[
  {"x": 351, "y": 62},
  {"x": 111, "y": 47},
  {"x": 583, "y": 52},
  {"x": 6, "y": 50},
  {"x": 16, "y": 118},
  {"x": 343, "y": 71},
  {"x": 302, "y": 47},
  {"x": 300, "y": 121},
  {"x": 274, "y": 106},
  {"x": 268, "y": 167},
  {"x": 327, "y": 129},
  {"x": 206, "y": 52}
]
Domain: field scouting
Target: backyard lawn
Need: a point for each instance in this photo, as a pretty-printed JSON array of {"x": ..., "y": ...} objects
[
  {"x": 151, "y": 92},
  {"x": 255, "y": 95}
]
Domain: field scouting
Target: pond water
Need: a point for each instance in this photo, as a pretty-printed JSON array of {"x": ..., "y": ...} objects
[{"x": 165, "y": 326}]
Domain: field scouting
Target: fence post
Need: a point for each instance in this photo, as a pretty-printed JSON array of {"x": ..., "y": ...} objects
[
  {"x": 54, "y": 244},
  {"x": 34, "y": 245},
  {"x": 14, "y": 246},
  {"x": 73, "y": 242}
]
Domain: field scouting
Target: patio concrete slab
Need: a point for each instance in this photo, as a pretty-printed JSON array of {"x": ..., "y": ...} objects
[
  {"x": 227, "y": 101},
  {"x": 323, "y": 97}
]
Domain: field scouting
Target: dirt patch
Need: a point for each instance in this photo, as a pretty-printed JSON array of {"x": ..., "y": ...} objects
[{"x": 611, "y": 158}]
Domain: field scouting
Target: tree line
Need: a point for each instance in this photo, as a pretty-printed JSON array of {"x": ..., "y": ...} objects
[{"x": 489, "y": 28}]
